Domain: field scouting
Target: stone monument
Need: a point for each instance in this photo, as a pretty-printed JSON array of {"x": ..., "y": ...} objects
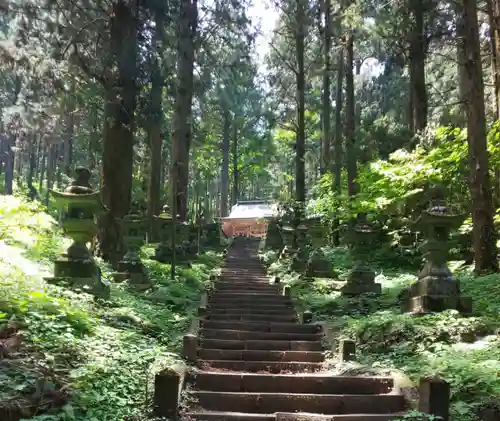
[
  {"x": 131, "y": 267},
  {"x": 361, "y": 279},
  {"x": 436, "y": 288},
  {"x": 80, "y": 206},
  {"x": 164, "y": 224}
]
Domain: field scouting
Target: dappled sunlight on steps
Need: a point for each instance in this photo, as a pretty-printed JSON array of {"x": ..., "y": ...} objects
[{"x": 257, "y": 362}]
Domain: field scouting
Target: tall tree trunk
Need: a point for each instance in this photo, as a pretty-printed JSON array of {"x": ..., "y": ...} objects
[
  {"x": 235, "y": 164},
  {"x": 9, "y": 163},
  {"x": 326, "y": 88},
  {"x": 300, "y": 145},
  {"x": 181, "y": 140},
  {"x": 493, "y": 9},
  {"x": 484, "y": 236},
  {"x": 337, "y": 168},
  {"x": 350, "y": 138},
  {"x": 118, "y": 148},
  {"x": 417, "y": 66},
  {"x": 156, "y": 121},
  {"x": 225, "y": 164},
  {"x": 69, "y": 132}
]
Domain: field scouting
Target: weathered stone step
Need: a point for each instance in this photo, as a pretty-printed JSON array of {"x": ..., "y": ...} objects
[
  {"x": 249, "y": 296},
  {"x": 301, "y": 416},
  {"x": 261, "y": 344},
  {"x": 283, "y": 416},
  {"x": 222, "y": 304},
  {"x": 260, "y": 326},
  {"x": 291, "y": 383},
  {"x": 228, "y": 416},
  {"x": 284, "y": 318},
  {"x": 261, "y": 355},
  {"x": 235, "y": 288},
  {"x": 246, "y": 335},
  {"x": 274, "y": 367},
  {"x": 280, "y": 310},
  {"x": 265, "y": 403}
]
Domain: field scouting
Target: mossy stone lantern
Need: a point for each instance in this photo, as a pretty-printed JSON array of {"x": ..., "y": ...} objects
[
  {"x": 361, "y": 279},
  {"x": 436, "y": 288},
  {"x": 316, "y": 231},
  {"x": 287, "y": 233},
  {"x": 164, "y": 224},
  {"x": 80, "y": 206},
  {"x": 133, "y": 230},
  {"x": 273, "y": 240}
]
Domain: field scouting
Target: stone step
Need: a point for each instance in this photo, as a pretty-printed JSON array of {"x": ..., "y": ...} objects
[
  {"x": 248, "y": 297},
  {"x": 257, "y": 326},
  {"x": 283, "y": 416},
  {"x": 221, "y": 304},
  {"x": 291, "y": 383},
  {"x": 265, "y": 403},
  {"x": 261, "y": 355},
  {"x": 228, "y": 416},
  {"x": 261, "y": 345},
  {"x": 274, "y": 367},
  {"x": 281, "y": 310},
  {"x": 283, "y": 318},
  {"x": 232, "y": 288},
  {"x": 246, "y": 335}
]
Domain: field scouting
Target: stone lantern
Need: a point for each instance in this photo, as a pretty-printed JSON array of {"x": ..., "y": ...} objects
[
  {"x": 273, "y": 238},
  {"x": 316, "y": 231},
  {"x": 133, "y": 230},
  {"x": 80, "y": 206},
  {"x": 164, "y": 224},
  {"x": 361, "y": 279},
  {"x": 436, "y": 288},
  {"x": 287, "y": 233}
]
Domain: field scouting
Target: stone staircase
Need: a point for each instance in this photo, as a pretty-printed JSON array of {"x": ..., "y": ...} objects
[{"x": 257, "y": 362}]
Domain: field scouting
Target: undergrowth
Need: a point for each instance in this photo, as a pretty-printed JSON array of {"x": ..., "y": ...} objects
[
  {"x": 464, "y": 350},
  {"x": 66, "y": 356}
]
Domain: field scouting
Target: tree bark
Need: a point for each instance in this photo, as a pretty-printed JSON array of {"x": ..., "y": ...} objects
[
  {"x": 156, "y": 121},
  {"x": 484, "y": 236},
  {"x": 181, "y": 140},
  {"x": 118, "y": 148},
  {"x": 300, "y": 187},
  {"x": 417, "y": 67},
  {"x": 235, "y": 164},
  {"x": 326, "y": 89},
  {"x": 352, "y": 170},
  {"x": 225, "y": 164}
]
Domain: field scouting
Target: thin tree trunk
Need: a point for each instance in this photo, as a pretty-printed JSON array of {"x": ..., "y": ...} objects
[
  {"x": 235, "y": 164},
  {"x": 225, "y": 164}
]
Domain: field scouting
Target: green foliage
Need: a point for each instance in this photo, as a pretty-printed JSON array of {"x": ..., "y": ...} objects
[
  {"x": 462, "y": 350},
  {"x": 95, "y": 358}
]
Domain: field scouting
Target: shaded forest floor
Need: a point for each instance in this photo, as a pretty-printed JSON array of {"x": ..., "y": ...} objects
[
  {"x": 67, "y": 356},
  {"x": 463, "y": 350}
]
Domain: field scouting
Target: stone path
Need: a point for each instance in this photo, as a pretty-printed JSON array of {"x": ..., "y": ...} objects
[{"x": 256, "y": 362}]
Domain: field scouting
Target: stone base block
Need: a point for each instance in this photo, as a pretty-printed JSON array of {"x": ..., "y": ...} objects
[
  {"x": 119, "y": 276},
  {"x": 66, "y": 268},
  {"x": 355, "y": 289},
  {"x": 131, "y": 266},
  {"x": 436, "y": 303}
]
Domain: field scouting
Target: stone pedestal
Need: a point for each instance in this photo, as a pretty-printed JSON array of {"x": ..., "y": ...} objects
[
  {"x": 436, "y": 288},
  {"x": 131, "y": 265},
  {"x": 361, "y": 279},
  {"x": 164, "y": 225},
  {"x": 318, "y": 266},
  {"x": 317, "y": 232},
  {"x": 80, "y": 205},
  {"x": 273, "y": 240}
]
